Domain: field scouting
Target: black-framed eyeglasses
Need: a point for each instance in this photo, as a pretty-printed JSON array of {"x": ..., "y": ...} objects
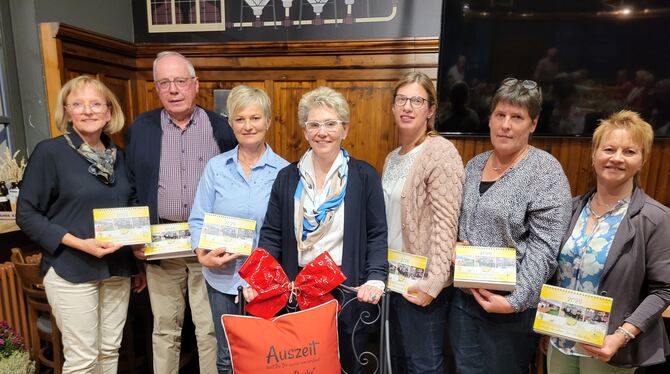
[
  {"x": 330, "y": 125},
  {"x": 79, "y": 108},
  {"x": 180, "y": 82},
  {"x": 527, "y": 84},
  {"x": 417, "y": 102}
]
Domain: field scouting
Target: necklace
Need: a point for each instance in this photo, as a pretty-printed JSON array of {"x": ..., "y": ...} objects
[
  {"x": 609, "y": 208},
  {"x": 505, "y": 167}
]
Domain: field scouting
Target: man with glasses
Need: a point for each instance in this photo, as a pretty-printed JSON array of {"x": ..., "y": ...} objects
[{"x": 167, "y": 150}]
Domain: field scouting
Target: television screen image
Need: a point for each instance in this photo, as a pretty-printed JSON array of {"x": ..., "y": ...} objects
[{"x": 590, "y": 58}]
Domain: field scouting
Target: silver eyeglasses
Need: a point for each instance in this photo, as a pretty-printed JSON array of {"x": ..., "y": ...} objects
[
  {"x": 417, "y": 102},
  {"x": 164, "y": 84},
  {"x": 79, "y": 108},
  {"x": 527, "y": 84},
  {"x": 330, "y": 125}
]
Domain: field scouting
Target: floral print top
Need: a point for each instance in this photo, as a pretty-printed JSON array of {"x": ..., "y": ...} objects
[{"x": 582, "y": 258}]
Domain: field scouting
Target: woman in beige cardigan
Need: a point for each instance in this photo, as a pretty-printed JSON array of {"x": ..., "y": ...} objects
[{"x": 422, "y": 183}]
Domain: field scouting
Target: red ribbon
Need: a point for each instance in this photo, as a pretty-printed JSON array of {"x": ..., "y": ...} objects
[{"x": 311, "y": 287}]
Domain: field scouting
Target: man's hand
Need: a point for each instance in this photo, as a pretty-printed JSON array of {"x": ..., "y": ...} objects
[{"x": 138, "y": 251}]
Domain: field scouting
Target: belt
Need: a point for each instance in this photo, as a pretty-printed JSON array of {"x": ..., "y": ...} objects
[{"x": 163, "y": 220}]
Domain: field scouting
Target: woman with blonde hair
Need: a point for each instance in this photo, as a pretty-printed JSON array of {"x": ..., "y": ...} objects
[
  {"x": 422, "y": 181},
  {"x": 236, "y": 183},
  {"x": 617, "y": 246},
  {"x": 87, "y": 281},
  {"x": 330, "y": 201}
]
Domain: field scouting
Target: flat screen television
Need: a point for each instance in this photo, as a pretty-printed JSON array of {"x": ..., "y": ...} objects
[{"x": 590, "y": 57}]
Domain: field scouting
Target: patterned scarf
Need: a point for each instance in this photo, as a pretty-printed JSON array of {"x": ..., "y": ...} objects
[
  {"x": 312, "y": 224},
  {"x": 102, "y": 162}
]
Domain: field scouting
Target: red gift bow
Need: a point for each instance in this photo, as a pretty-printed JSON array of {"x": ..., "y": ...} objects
[{"x": 311, "y": 287}]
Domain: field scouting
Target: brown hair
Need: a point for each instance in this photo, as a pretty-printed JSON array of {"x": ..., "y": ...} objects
[{"x": 424, "y": 81}]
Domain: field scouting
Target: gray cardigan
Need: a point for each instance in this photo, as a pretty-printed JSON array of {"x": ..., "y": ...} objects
[
  {"x": 637, "y": 276},
  {"x": 528, "y": 208}
]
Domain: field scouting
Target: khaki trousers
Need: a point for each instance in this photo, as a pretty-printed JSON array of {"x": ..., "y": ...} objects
[
  {"x": 560, "y": 363},
  {"x": 90, "y": 317},
  {"x": 168, "y": 283}
]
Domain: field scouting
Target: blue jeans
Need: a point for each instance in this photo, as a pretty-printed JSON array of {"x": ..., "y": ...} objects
[
  {"x": 417, "y": 334},
  {"x": 488, "y": 342},
  {"x": 221, "y": 303}
]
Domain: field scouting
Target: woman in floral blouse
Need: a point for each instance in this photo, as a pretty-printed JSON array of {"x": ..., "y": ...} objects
[{"x": 617, "y": 246}]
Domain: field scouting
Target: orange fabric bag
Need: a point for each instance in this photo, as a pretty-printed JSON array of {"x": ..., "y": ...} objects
[{"x": 302, "y": 342}]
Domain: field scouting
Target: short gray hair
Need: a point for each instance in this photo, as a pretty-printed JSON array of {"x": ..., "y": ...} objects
[
  {"x": 242, "y": 96},
  {"x": 517, "y": 94},
  {"x": 162, "y": 55},
  {"x": 325, "y": 97}
]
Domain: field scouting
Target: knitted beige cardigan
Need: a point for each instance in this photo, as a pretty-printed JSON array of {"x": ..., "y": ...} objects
[{"x": 430, "y": 205}]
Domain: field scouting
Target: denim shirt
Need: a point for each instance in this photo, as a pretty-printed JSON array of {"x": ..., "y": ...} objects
[
  {"x": 223, "y": 189},
  {"x": 582, "y": 258}
]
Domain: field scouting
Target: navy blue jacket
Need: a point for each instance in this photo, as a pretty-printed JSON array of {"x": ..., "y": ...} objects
[
  {"x": 58, "y": 196},
  {"x": 365, "y": 246},
  {"x": 143, "y": 154}
]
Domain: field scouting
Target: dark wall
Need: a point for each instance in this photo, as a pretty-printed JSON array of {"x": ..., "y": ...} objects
[
  {"x": 412, "y": 19},
  {"x": 112, "y": 18}
]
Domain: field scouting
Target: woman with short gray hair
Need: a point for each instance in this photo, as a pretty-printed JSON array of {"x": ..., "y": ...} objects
[
  {"x": 329, "y": 201},
  {"x": 514, "y": 196}
]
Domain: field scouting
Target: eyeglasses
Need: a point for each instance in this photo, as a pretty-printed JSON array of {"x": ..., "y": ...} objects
[
  {"x": 79, "y": 108},
  {"x": 164, "y": 84},
  {"x": 417, "y": 102},
  {"x": 527, "y": 84},
  {"x": 330, "y": 125}
]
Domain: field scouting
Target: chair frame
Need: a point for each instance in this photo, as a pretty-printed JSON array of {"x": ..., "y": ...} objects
[{"x": 31, "y": 284}]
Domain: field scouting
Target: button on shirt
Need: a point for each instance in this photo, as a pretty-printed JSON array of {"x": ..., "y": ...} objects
[
  {"x": 225, "y": 190},
  {"x": 184, "y": 154}
]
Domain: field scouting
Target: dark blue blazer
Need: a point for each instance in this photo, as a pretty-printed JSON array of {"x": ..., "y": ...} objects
[
  {"x": 365, "y": 246},
  {"x": 143, "y": 154}
]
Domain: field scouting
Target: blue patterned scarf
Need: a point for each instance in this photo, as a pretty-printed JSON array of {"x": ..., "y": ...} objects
[{"x": 313, "y": 224}]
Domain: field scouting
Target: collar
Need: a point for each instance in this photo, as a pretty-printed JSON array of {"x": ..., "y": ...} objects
[
  {"x": 306, "y": 165},
  {"x": 267, "y": 159},
  {"x": 77, "y": 141},
  {"x": 168, "y": 119}
]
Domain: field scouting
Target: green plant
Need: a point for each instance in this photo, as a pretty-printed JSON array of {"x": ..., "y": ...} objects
[{"x": 18, "y": 362}]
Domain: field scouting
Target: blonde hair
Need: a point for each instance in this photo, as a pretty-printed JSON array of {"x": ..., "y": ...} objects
[
  {"x": 116, "y": 120},
  {"x": 324, "y": 97},
  {"x": 424, "y": 81},
  {"x": 242, "y": 96},
  {"x": 639, "y": 129}
]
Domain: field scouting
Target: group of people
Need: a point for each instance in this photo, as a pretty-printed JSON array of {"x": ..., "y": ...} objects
[{"x": 184, "y": 161}]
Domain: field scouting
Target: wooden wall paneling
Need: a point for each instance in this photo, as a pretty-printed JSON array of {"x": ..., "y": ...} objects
[
  {"x": 289, "y": 139},
  {"x": 364, "y": 70},
  {"x": 372, "y": 132},
  {"x": 122, "y": 89},
  {"x": 52, "y": 60}
]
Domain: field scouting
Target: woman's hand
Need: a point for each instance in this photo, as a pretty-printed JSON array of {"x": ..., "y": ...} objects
[
  {"x": 138, "y": 251},
  {"x": 215, "y": 259},
  {"x": 91, "y": 246},
  {"x": 415, "y": 296},
  {"x": 492, "y": 302},
  {"x": 605, "y": 353},
  {"x": 249, "y": 294},
  {"x": 138, "y": 282},
  {"x": 613, "y": 343},
  {"x": 369, "y": 294}
]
